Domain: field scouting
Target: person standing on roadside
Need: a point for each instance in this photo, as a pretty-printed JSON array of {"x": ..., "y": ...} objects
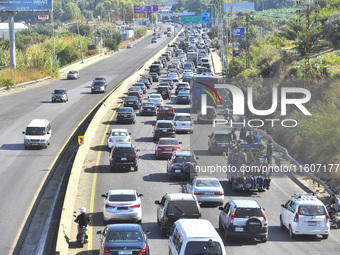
[{"x": 243, "y": 133}]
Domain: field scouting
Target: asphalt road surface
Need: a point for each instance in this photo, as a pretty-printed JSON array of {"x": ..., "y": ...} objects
[
  {"x": 23, "y": 171},
  {"x": 151, "y": 180}
]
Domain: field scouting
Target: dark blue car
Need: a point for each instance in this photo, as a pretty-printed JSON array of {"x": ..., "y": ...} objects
[
  {"x": 123, "y": 239},
  {"x": 183, "y": 97}
]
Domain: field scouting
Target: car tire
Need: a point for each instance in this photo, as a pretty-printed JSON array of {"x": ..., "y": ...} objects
[
  {"x": 291, "y": 234},
  {"x": 233, "y": 188},
  {"x": 264, "y": 239},
  {"x": 139, "y": 221},
  {"x": 163, "y": 231},
  {"x": 324, "y": 236},
  {"x": 281, "y": 224},
  {"x": 158, "y": 222},
  {"x": 136, "y": 168}
]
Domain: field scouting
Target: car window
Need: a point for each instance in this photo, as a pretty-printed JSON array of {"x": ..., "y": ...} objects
[
  {"x": 131, "y": 98},
  {"x": 98, "y": 83},
  {"x": 183, "y": 208},
  {"x": 124, "y": 237},
  {"x": 168, "y": 142},
  {"x": 125, "y": 110},
  {"x": 206, "y": 248},
  {"x": 183, "y": 159},
  {"x": 165, "y": 108},
  {"x": 148, "y": 105},
  {"x": 59, "y": 91},
  {"x": 248, "y": 212},
  {"x": 207, "y": 183},
  {"x": 123, "y": 151},
  {"x": 183, "y": 93},
  {"x": 35, "y": 131},
  {"x": 221, "y": 137},
  {"x": 119, "y": 134},
  {"x": 164, "y": 125},
  {"x": 183, "y": 118},
  {"x": 122, "y": 197},
  {"x": 155, "y": 96},
  {"x": 311, "y": 210}
]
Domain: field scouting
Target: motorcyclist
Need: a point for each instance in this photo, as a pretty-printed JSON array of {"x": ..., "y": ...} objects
[
  {"x": 334, "y": 205},
  {"x": 83, "y": 220}
]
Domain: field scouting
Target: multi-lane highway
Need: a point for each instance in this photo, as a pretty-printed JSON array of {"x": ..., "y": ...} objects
[
  {"x": 151, "y": 180},
  {"x": 22, "y": 172}
]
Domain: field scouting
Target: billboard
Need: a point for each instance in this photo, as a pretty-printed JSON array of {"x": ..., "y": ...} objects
[
  {"x": 43, "y": 17},
  {"x": 205, "y": 18},
  {"x": 25, "y": 5},
  {"x": 239, "y": 7},
  {"x": 191, "y": 19},
  {"x": 239, "y": 32},
  {"x": 145, "y": 8}
]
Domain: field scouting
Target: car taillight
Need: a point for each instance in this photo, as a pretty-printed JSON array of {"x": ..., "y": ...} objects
[
  {"x": 232, "y": 218},
  {"x": 142, "y": 109},
  {"x": 264, "y": 218},
  {"x": 131, "y": 114},
  {"x": 327, "y": 217},
  {"x": 107, "y": 252},
  {"x": 198, "y": 193},
  {"x": 109, "y": 206},
  {"x": 129, "y": 140},
  {"x": 296, "y": 218},
  {"x": 137, "y": 103},
  {"x": 136, "y": 157},
  {"x": 219, "y": 193},
  {"x": 143, "y": 251},
  {"x": 166, "y": 219},
  {"x": 81, "y": 231},
  {"x": 110, "y": 140},
  {"x": 135, "y": 206}
]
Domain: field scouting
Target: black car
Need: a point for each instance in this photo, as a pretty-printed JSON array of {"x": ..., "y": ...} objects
[
  {"x": 180, "y": 86},
  {"x": 126, "y": 115},
  {"x": 123, "y": 239},
  {"x": 147, "y": 76},
  {"x": 155, "y": 76},
  {"x": 98, "y": 86},
  {"x": 136, "y": 94},
  {"x": 182, "y": 164},
  {"x": 123, "y": 156},
  {"x": 170, "y": 81},
  {"x": 164, "y": 128},
  {"x": 164, "y": 91},
  {"x": 148, "y": 109},
  {"x": 155, "y": 68},
  {"x": 142, "y": 85},
  {"x": 176, "y": 206},
  {"x": 146, "y": 82},
  {"x": 218, "y": 141},
  {"x": 132, "y": 101}
]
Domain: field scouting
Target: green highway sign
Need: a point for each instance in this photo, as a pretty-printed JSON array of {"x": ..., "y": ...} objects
[{"x": 191, "y": 19}]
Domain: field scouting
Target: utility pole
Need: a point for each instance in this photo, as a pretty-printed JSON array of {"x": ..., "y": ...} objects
[
  {"x": 247, "y": 39},
  {"x": 232, "y": 31},
  {"x": 81, "y": 49},
  {"x": 13, "y": 64},
  {"x": 52, "y": 22}
]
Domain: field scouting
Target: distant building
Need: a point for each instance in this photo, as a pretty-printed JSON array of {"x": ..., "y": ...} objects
[{"x": 18, "y": 26}]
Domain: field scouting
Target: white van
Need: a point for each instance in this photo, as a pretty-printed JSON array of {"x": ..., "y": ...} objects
[
  {"x": 195, "y": 236},
  {"x": 38, "y": 133}
]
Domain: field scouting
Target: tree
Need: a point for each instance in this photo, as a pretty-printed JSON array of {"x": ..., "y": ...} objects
[
  {"x": 331, "y": 29},
  {"x": 153, "y": 18}
]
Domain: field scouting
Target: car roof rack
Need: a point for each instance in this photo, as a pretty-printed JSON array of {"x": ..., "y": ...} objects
[{"x": 311, "y": 196}]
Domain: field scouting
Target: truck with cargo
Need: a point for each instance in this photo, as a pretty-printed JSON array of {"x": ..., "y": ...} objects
[
  {"x": 192, "y": 57},
  {"x": 253, "y": 174}
]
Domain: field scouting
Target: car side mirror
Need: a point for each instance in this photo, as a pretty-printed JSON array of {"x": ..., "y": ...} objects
[
  {"x": 282, "y": 205},
  {"x": 153, "y": 125},
  {"x": 23, "y": 132},
  {"x": 99, "y": 232},
  {"x": 147, "y": 232},
  {"x": 129, "y": 133},
  {"x": 138, "y": 150},
  {"x": 140, "y": 195},
  {"x": 104, "y": 195},
  {"x": 220, "y": 208},
  {"x": 157, "y": 202},
  {"x": 197, "y": 158},
  {"x": 180, "y": 142},
  {"x": 107, "y": 133}
]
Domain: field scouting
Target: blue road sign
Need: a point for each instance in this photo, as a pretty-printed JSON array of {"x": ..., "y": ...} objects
[
  {"x": 205, "y": 18},
  {"x": 25, "y": 5}
]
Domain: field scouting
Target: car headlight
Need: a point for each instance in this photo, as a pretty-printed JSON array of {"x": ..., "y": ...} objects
[{"x": 43, "y": 140}]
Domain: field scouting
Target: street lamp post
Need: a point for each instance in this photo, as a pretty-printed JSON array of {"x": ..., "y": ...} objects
[{"x": 81, "y": 49}]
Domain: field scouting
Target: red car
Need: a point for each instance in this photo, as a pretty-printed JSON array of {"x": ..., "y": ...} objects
[
  {"x": 172, "y": 66},
  {"x": 166, "y": 146},
  {"x": 165, "y": 113}
]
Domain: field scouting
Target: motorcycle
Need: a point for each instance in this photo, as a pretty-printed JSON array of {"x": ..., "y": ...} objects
[
  {"x": 334, "y": 218},
  {"x": 81, "y": 236}
]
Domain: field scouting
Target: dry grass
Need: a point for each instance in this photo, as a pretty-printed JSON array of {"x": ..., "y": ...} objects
[{"x": 21, "y": 76}]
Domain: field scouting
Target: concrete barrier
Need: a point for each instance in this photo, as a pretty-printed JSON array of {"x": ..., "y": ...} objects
[{"x": 66, "y": 219}]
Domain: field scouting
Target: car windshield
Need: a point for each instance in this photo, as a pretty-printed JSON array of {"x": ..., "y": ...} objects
[
  {"x": 123, "y": 152},
  {"x": 248, "y": 212},
  {"x": 124, "y": 237},
  {"x": 122, "y": 197},
  {"x": 35, "y": 131},
  {"x": 155, "y": 96},
  {"x": 131, "y": 98},
  {"x": 59, "y": 91},
  {"x": 72, "y": 72},
  {"x": 148, "y": 105},
  {"x": 183, "y": 159},
  {"x": 99, "y": 79},
  {"x": 165, "y": 108},
  {"x": 311, "y": 210},
  {"x": 221, "y": 137},
  {"x": 183, "y": 94},
  {"x": 168, "y": 142},
  {"x": 98, "y": 83},
  {"x": 207, "y": 183},
  {"x": 203, "y": 248},
  {"x": 183, "y": 208},
  {"x": 125, "y": 110},
  {"x": 183, "y": 118},
  {"x": 164, "y": 125},
  {"x": 119, "y": 133}
]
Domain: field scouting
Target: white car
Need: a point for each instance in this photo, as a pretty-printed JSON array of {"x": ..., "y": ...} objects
[
  {"x": 206, "y": 189},
  {"x": 305, "y": 214},
  {"x": 183, "y": 122},
  {"x": 118, "y": 136},
  {"x": 156, "y": 99},
  {"x": 122, "y": 205},
  {"x": 129, "y": 45},
  {"x": 187, "y": 72}
]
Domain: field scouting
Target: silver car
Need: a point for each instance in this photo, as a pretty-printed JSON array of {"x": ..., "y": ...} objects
[
  {"x": 207, "y": 190},
  {"x": 59, "y": 95},
  {"x": 122, "y": 205},
  {"x": 183, "y": 122},
  {"x": 73, "y": 75},
  {"x": 116, "y": 135},
  {"x": 156, "y": 99}
]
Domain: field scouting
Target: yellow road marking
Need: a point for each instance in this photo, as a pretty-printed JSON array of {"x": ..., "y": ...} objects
[{"x": 94, "y": 184}]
